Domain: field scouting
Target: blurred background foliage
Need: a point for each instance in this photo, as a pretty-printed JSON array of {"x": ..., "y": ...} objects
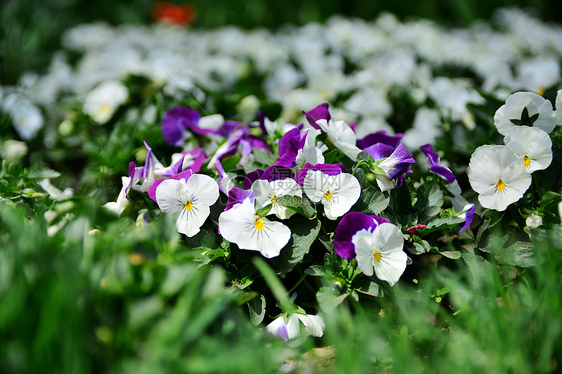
[{"x": 30, "y": 30}]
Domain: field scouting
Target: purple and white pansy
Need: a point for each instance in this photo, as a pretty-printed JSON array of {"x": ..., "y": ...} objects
[
  {"x": 337, "y": 191},
  {"x": 188, "y": 199},
  {"x": 376, "y": 244},
  {"x": 390, "y": 164}
]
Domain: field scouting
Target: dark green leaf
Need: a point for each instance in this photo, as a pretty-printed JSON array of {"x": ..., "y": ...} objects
[
  {"x": 372, "y": 201},
  {"x": 256, "y": 308},
  {"x": 518, "y": 254},
  {"x": 303, "y": 234},
  {"x": 301, "y": 205},
  {"x": 430, "y": 200}
]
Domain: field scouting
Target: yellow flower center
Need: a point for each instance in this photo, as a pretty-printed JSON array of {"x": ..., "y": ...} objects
[
  {"x": 526, "y": 161},
  {"x": 328, "y": 195},
  {"x": 541, "y": 90},
  {"x": 259, "y": 224},
  {"x": 105, "y": 109},
  {"x": 188, "y": 205},
  {"x": 500, "y": 186},
  {"x": 377, "y": 256},
  {"x": 274, "y": 200}
]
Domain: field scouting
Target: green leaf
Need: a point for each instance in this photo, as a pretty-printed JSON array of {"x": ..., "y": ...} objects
[
  {"x": 430, "y": 200},
  {"x": 303, "y": 234},
  {"x": 263, "y": 156},
  {"x": 316, "y": 271},
  {"x": 440, "y": 223},
  {"x": 42, "y": 173},
  {"x": 329, "y": 299},
  {"x": 370, "y": 288},
  {"x": 372, "y": 201},
  {"x": 301, "y": 205},
  {"x": 519, "y": 254},
  {"x": 256, "y": 308},
  {"x": 263, "y": 211},
  {"x": 455, "y": 255}
]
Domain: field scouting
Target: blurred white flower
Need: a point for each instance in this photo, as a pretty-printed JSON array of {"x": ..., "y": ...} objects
[
  {"x": 102, "y": 102},
  {"x": 122, "y": 200},
  {"x": 13, "y": 150},
  {"x": 26, "y": 117},
  {"x": 533, "y": 221},
  {"x": 452, "y": 96},
  {"x": 538, "y": 73},
  {"x": 287, "y": 327},
  {"x": 425, "y": 130},
  {"x": 54, "y": 192}
]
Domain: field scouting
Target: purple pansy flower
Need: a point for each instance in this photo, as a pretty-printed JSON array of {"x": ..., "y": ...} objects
[
  {"x": 289, "y": 147},
  {"x": 394, "y": 162},
  {"x": 468, "y": 217},
  {"x": 239, "y": 138},
  {"x": 145, "y": 173},
  {"x": 275, "y": 172},
  {"x": 154, "y": 185},
  {"x": 349, "y": 225},
  {"x": 328, "y": 169},
  {"x": 237, "y": 195},
  {"x": 320, "y": 112},
  {"x": 251, "y": 177},
  {"x": 176, "y": 123},
  {"x": 380, "y": 137},
  {"x": 433, "y": 160}
]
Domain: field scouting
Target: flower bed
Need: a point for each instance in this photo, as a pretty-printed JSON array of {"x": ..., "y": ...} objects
[{"x": 321, "y": 175}]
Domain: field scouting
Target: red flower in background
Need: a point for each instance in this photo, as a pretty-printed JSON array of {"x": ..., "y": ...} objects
[{"x": 173, "y": 14}]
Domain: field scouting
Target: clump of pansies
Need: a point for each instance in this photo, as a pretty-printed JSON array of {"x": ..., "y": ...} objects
[
  {"x": 280, "y": 189},
  {"x": 501, "y": 174}
]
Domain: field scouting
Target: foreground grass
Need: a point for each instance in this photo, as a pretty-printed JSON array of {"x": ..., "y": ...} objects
[{"x": 128, "y": 298}]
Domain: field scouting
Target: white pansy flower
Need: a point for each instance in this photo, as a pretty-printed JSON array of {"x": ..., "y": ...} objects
[
  {"x": 188, "y": 201},
  {"x": 498, "y": 175},
  {"x": 525, "y": 108},
  {"x": 267, "y": 193},
  {"x": 54, "y": 192},
  {"x": 122, "y": 201},
  {"x": 241, "y": 225},
  {"x": 379, "y": 251},
  {"x": 337, "y": 193},
  {"x": 533, "y": 145},
  {"x": 287, "y": 327},
  {"x": 102, "y": 102},
  {"x": 341, "y": 135},
  {"x": 533, "y": 221},
  {"x": 310, "y": 153}
]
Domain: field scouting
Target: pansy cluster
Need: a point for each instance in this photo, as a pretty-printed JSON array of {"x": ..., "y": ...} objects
[
  {"x": 501, "y": 174},
  {"x": 341, "y": 201},
  {"x": 277, "y": 188}
]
